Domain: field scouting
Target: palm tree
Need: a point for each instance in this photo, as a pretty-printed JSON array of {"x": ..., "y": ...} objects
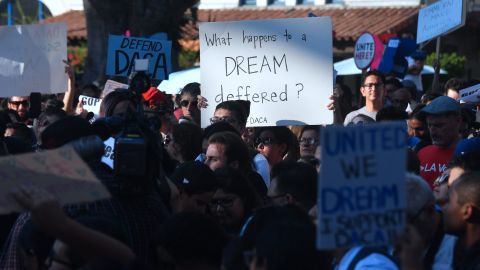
[{"x": 140, "y": 17}]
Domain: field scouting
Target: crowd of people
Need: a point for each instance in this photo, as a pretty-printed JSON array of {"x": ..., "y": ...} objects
[{"x": 230, "y": 196}]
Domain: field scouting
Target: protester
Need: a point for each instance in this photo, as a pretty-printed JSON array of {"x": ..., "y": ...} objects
[
  {"x": 416, "y": 62},
  {"x": 21, "y": 105},
  {"x": 293, "y": 183},
  {"x": 402, "y": 99},
  {"x": 226, "y": 149},
  {"x": 188, "y": 101},
  {"x": 191, "y": 187},
  {"x": 234, "y": 200},
  {"x": 274, "y": 143},
  {"x": 417, "y": 127},
  {"x": 372, "y": 88},
  {"x": 309, "y": 141},
  {"x": 452, "y": 87},
  {"x": 184, "y": 143},
  {"x": 443, "y": 119},
  {"x": 465, "y": 158},
  {"x": 428, "y": 220}
]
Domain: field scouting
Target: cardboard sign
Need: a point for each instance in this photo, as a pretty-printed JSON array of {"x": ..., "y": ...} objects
[
  {"x": 111, "y": 85},
  {"x": 283, "y": 67},
  {"x": 364, "y": 51},
  {"x": 122, "y": 52},
  {"x": 440, "y": 18},
  {"x": 361, "y": 191},
  {"x": 109, "y": 152},
  {"x": 91, "y": 104},
  {"x": 61, "y": 172},
  {"x": 470, "y": 94},
  {"x": 31, "y": 59}
]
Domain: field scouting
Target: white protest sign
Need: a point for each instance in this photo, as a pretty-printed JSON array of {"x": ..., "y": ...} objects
[
  {"x": 470, "y": 94},
  {"x": 91, "y": 104},
  {"x": 31, "y": 59},
  {"x": 111, "y": 85},
  {"x": 107, "y": 158},
  {"x": 364, "y": 51},
  {"x": 440, "y": 18},
  {"x": 283, "y": 67},
  {"x": 361, "y": 191},
  {"x": 61, "y": 172}
]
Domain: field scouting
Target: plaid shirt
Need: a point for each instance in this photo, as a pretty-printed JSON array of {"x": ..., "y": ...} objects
[{"x": 139, "y": 216}]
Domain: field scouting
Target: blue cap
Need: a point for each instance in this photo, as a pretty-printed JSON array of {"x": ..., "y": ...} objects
[
  {"x": 442, "y": 104},
  {"x": 419, "y": 54},
  {"x": 466, "y": 146}
]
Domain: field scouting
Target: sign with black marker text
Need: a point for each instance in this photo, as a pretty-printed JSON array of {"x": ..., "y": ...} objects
[
  {"x": 283, "y": 67},
  {"x": 361, "y": 191},
  {"x": 123, "y": 51}
]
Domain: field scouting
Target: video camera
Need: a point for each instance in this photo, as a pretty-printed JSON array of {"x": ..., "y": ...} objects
[{"x": 132, "y": 144}]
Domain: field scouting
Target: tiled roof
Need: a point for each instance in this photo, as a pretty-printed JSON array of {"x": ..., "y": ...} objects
[
  {"x": 348, "y": 23},
  {"x": 75, "y": 21}
]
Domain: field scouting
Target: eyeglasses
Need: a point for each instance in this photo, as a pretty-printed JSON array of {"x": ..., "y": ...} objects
[
  {"x": 18, "y": 103},
  {"x": 227, "y": 119},
  {"x": 224, "y": 203},
  {"x": 372, "y": 85},
  {"x": 308, "y": 141},
  {"x": 264, "y": 141},
  {"x": 185, "y": 103}
]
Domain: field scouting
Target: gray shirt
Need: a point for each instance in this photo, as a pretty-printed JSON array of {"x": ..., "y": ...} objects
[{"x": 363, "y": 110}]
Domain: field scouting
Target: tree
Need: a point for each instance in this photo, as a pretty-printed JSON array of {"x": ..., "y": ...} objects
[{"x": 140, "y": 17}]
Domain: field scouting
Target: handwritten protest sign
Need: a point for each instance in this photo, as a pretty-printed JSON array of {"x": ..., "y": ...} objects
[
  {"x": 361, "y": 198},
  {"x": 122, "y": 52},
  {"x": 283, "y": 67},
  {"x": 440, "y": 18},
  {"x": 61, "y": 172},
  {"x": 470, "y": 94},
  {"x": 91, "y": 104},
  {"x": 31, "y": 59},
  {"x": 111, "y": 85},
  {"x": 107, "y": 158}
]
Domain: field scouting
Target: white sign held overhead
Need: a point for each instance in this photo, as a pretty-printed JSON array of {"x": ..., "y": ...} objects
[
  {"x": 361, "y": 190},
  {"x": 440, "y": 18},
  {"x": 470, "y": 94},
  {"x": 364, "y": 51},
  {"x": 283, "y": 67},
  {"x": 31, "y": 59},
  {"x": 91, "y": 104}
]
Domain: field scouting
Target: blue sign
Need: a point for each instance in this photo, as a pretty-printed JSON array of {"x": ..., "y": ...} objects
[
  {"x": 122, "y": 52},
  {"x": 393, "y": 59}
]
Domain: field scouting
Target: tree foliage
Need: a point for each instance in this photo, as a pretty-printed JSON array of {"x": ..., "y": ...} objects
[
  {"x": 139, "y": 17},
  {"x": 453, "y": 63}
]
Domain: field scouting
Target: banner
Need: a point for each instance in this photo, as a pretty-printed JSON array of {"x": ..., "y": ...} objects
[
  {"x": 283, "y": 67},
  {"x": 470, "y": 94},
  {"x": 440, "y": 18},
  {"x": 122, "y": 52},
  {"x": 361, "y": 191},
  {"x": 31, "y": 59},
  {"x": 61, "y": 172}
]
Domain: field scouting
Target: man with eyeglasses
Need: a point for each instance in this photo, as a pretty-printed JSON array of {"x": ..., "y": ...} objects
[
  {"x": 374, "y": 92},
  {"x": 20, "y": 105},
  {"x": 427, "y": 219}
]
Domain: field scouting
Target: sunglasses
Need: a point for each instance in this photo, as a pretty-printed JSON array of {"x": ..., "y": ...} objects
[
  {"x": 185, "y": 103},
  {"x": 18, "y": 103},
  {"x": 308, "y": 141},
  {"x": 224, "y": 203},
  {"x": 264, "y": 141},
  {"x": 372, "y": 85},
  {"x": 227, "y": 119}
]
